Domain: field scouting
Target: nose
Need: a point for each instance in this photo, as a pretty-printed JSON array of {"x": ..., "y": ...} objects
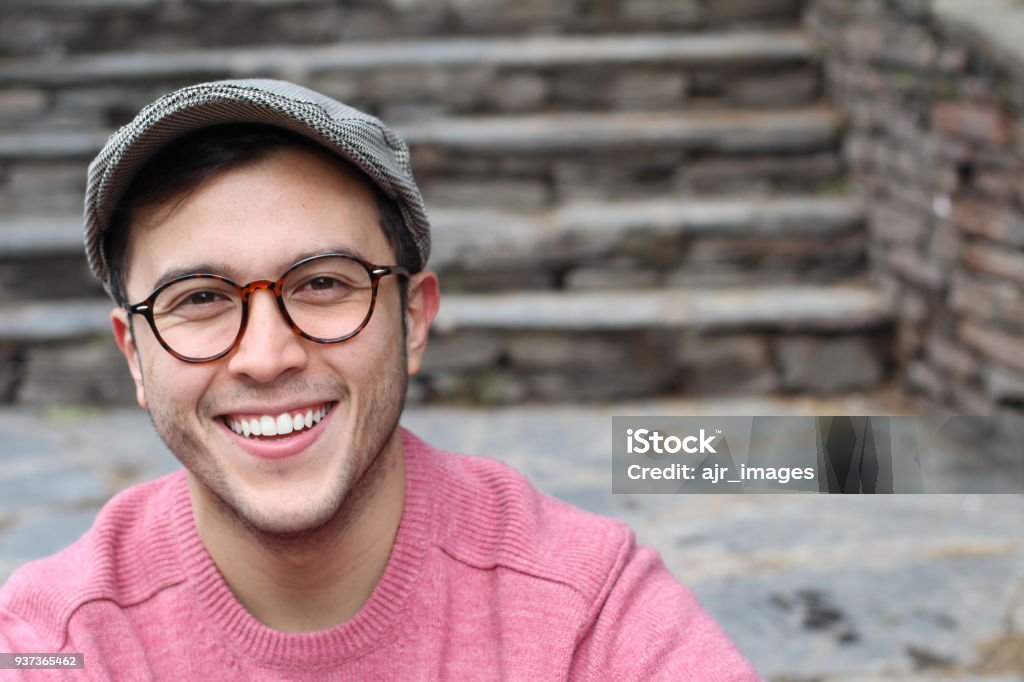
[{"x": 269, "y": 347}]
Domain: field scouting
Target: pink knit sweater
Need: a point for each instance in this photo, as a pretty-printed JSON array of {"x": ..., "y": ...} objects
[{"x": 488, "y": 580}]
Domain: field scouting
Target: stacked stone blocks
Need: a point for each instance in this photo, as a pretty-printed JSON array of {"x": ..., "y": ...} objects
[
  {"x": 35, "y": 27},
  {"x": 654, "y": 211},
  {"x": 933, "y": 104}
]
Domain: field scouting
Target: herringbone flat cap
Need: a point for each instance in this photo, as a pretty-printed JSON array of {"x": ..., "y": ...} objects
[{"x": 362, "y": 139}]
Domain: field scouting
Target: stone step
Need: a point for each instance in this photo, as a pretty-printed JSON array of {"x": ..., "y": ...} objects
[
  {"x": 534, "y": 161},
  {"x": 725, "y": 131},
  {"x": 606, "y": 245},
  {"x": 35, "y": 27},
  {"x": 826, "y": 309},
  {"x": 51, "y": 145},
  {"x": 402, "y": 81},
  {"x": 544, "y": 160},
  {"x": 36, "y": 237},
  {"x": 47, "y": 322},
  {"x": 664, "y": 243},
  {"x": 734, "y": 49},
  {"x": 498, "y": 348},
  {"x": 728, "y": 131},
  {"x": 43, "y": 257}
]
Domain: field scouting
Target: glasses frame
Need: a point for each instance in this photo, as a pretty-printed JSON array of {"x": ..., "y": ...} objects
[{"x": 245, "y": 291}]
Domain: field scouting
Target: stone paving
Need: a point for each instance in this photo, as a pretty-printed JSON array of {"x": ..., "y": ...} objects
[{"x": 905, "y": 587}]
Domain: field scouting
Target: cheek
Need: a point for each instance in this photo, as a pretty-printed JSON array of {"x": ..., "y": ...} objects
[
  {"x": 355, "y": 366},
  {"x": 172, "y": 386},
  {"x": 378, "y": 345},
  {"x": 368, "y": 360}
]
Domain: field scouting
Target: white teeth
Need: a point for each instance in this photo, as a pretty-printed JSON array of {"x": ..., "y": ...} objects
[
  {"x": 281, "y": 425},
  {"x": 268, "y": 425}
]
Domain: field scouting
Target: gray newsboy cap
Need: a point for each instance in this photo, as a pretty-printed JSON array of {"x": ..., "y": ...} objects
[{"x": 362, "y": 139}]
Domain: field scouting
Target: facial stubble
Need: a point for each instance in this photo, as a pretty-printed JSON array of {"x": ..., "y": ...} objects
[{"x": 364, "y": 464}]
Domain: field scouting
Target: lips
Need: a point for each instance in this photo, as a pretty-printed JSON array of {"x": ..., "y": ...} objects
[
  {"x": 276, "y": 424},
  {"x": 279, "y": 445}
]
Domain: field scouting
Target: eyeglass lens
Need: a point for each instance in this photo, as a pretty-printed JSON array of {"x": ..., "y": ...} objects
[{"x": 327, "y": 298}]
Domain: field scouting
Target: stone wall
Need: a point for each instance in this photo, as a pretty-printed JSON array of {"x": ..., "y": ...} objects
[{"x": 932, "y": 92}]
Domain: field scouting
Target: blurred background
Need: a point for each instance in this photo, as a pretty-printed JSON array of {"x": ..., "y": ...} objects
[{"x": 639, "y": 207}]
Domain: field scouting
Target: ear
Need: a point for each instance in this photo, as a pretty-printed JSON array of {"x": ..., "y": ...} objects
[
  {"x": 424, "y": 300},
  {"x": 126, "y": 343}
]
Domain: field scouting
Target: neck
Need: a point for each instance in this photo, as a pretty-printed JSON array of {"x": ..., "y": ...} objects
[{"x": 314, "y": 580}]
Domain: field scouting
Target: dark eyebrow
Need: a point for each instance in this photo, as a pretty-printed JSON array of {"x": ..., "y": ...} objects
[
  {"x": 225, "y": 269},
  {"x": 221, "y": 269},
  {"x": 343, "y": 250}
]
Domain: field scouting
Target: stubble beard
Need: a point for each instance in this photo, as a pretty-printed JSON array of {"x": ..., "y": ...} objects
[{"x": 364, "y": 464}]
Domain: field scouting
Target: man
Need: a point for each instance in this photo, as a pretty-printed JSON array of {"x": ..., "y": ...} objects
[{"x": 265, "y": 246}]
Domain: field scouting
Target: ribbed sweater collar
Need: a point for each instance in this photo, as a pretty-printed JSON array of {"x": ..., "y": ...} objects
[{"x": 377, "y": 621}]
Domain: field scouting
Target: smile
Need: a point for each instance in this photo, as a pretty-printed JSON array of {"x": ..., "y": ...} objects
[{"x": 261, "y": 426}]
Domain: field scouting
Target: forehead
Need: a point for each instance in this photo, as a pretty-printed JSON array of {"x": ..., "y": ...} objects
[{"x": 254, "y": 221}]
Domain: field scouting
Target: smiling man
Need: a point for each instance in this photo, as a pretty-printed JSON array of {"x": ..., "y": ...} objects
[{"x": 265, "y": 246}]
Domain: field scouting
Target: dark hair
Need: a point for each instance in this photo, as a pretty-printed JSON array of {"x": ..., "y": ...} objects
[{"x": 186, "y": 163}]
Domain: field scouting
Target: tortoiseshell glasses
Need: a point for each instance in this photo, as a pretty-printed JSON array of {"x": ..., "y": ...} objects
[{"x": 327, "y": 298}]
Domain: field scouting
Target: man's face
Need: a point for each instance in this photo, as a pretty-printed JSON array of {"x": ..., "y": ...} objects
[{"x": 252, "y": 223}]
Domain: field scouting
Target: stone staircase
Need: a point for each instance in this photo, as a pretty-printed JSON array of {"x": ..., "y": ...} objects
[
  {"x": 621, "y": 207},
  {"x": 35, "y": 27}
]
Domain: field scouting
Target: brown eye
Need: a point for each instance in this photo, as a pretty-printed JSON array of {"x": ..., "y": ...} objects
[
  {"x": 323, "y": 283},
  {"x": 201, "y": 297}
]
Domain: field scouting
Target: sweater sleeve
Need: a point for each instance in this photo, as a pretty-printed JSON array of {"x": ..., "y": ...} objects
[
  {"x": 18, "y": 637},
  {"x": 648, "y": 626}
]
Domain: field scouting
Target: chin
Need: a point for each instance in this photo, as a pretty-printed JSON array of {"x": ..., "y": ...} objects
[{"x": 271, "y": 518}]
